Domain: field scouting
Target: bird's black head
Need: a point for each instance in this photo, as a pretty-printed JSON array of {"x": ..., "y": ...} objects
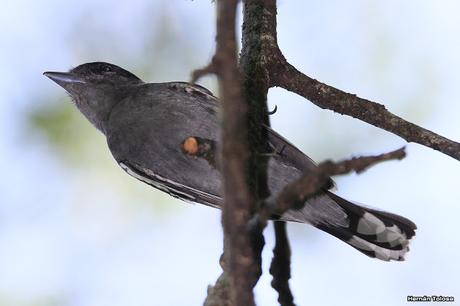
[
  {"x": 104, "y": 72},
  {"x": 96, "y": 88}
]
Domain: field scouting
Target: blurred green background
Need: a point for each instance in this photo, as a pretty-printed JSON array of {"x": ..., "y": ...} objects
[{"x": 76, "y": 230}]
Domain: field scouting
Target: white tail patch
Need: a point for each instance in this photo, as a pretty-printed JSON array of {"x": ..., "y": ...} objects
[
  {"x": 370, "y": 225},
  {"x": 379, "y": 252}
]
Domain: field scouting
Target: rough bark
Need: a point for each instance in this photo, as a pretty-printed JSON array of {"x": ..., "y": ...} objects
[{"x": 242, "y": 268}]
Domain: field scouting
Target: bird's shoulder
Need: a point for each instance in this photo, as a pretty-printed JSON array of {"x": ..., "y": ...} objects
[
  {"x": 182, "y": 90},
  {"x": 189, "y": 88}
]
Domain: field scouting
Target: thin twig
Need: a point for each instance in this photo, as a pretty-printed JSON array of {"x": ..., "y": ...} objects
[
  {"x": 328, "y": 97},
  {"x": 297, "y": 192},
  {"x": 208, "y": 69},
  {"x": 280, "y": 267}
]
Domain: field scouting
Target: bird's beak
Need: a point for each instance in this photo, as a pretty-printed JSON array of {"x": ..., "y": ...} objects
[{"x": 64, "y": 78}]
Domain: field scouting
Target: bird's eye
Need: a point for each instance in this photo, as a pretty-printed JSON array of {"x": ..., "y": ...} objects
[{"x": 107, "y": 69}]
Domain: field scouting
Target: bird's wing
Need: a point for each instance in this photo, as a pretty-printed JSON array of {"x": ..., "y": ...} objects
[
  {"x": 145, "y": 133},
  {"x": 173, "y": 188}
]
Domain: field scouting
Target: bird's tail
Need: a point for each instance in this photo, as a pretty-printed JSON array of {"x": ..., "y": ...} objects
[{"x": 375, "y": 233}]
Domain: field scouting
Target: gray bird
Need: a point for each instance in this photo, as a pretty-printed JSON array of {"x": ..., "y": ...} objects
[{"x": 146, "y": 124}]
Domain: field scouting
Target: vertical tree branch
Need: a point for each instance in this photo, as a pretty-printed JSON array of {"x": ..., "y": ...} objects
[
  {"x": 259, "y": 38},
  {"x": 280, "y": 267},
  {"x": 240, "y": 265},
  {"x": 246, "y": 161},
  {"x": 255, "y": 88},
  {"x": 242, "y": 243}
]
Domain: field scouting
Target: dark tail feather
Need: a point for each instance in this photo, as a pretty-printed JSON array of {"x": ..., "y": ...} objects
[{"x": 375, "y": 233}]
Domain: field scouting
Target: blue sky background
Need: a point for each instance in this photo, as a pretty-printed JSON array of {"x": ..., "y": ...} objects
[{"x": 76, "y": 230}]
